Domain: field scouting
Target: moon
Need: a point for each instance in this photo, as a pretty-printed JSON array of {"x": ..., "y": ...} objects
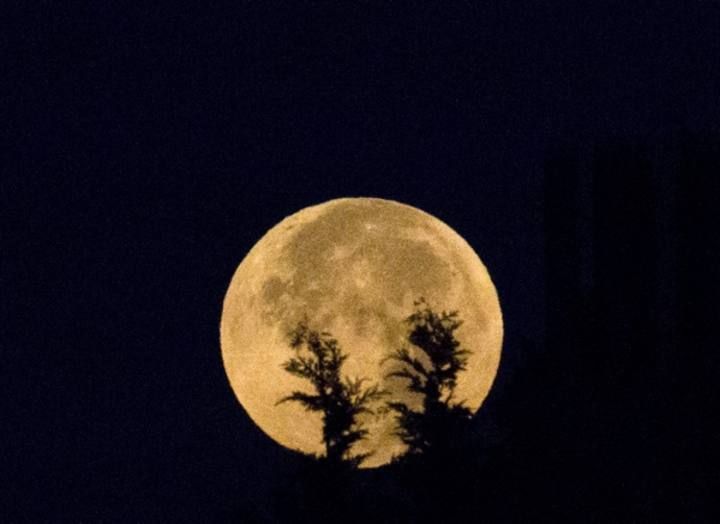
[{"x": 352, "y": 267}]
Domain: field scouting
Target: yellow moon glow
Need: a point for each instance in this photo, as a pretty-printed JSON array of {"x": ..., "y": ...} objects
[{"x": 353, "y": 267}]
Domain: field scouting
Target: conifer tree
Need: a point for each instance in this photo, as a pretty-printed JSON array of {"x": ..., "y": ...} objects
[
  {"x": 432, "y": 373},
  {"x": 319, "y": 359}
]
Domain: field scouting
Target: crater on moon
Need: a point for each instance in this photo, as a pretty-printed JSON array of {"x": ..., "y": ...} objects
[{"x": 352, "y": 267}]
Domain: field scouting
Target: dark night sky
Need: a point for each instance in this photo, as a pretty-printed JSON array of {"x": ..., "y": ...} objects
[{"x": 150, "y": 146}]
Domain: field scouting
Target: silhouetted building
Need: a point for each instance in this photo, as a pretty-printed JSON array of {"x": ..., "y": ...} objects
[{"x": 631, "y": 279}]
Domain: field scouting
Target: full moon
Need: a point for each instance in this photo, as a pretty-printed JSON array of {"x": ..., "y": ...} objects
[{"x": 353, "y": 267}]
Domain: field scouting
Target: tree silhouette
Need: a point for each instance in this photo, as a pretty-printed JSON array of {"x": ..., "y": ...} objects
[
  {"x": 432, "y": 374},
  {"x": 319, "y": 359}
]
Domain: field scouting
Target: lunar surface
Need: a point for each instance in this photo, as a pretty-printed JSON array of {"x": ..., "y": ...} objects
[{"x": 352, "y": 267}]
